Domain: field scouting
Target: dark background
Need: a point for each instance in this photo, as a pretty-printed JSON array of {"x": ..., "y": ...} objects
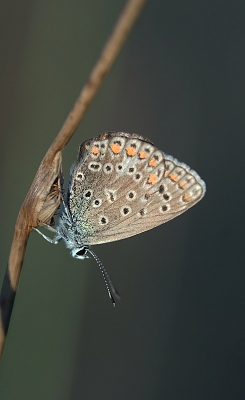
[{"x": 178, "y": 332}]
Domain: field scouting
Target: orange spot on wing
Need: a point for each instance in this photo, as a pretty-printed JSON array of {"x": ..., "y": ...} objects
[
  {"x": 131, "y": 151},
  {"x": 152, "y": 163},
  {"x": 182, "y": 185},
  {"x": 115, "y": 148},
  {"x": 186, "y": 197},
  {"x": 142, "y": 154},
  {"x": 152, "y": 178},
  {"x": 173, "y": 177},
  {"x": 95, "y": 150}
]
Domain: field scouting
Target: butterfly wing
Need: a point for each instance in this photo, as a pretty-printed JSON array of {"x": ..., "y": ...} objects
[{"x": 122, "y": 185}]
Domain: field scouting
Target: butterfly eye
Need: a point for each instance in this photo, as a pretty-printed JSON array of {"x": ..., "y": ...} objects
[{"x": 81, "y": 252}]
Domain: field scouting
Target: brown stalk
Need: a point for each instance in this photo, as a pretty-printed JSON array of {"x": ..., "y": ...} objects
[{"x": 44, "y": 195}]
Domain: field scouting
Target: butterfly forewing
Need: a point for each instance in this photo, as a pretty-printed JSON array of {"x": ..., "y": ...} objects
[{"x": 122, "y": 185}]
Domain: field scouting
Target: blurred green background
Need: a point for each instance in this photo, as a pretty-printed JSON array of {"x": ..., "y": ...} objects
[{"x": 178, "y": 332}]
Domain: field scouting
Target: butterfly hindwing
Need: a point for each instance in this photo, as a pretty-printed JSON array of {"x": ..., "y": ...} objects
[{"x": 122, "y": 185}]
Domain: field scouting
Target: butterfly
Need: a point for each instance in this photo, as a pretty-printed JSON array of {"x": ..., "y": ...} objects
[{"x": 119, "y": 186}]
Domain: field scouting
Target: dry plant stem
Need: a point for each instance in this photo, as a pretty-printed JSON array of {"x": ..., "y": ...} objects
[
  {"x": 43, "y": 197},
  {"x": 37, "y": 200},
  {"x": 119, "y": 34}
]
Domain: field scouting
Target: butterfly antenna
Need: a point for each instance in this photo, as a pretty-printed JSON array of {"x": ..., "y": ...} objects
[{"x": 109, "y": 285}]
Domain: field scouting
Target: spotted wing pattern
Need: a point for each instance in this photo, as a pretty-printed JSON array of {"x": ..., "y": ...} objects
[{"x": 122, "y": 185}]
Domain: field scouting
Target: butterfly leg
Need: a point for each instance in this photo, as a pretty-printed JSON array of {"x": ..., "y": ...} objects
[
  {"x": 55, "y": 240},
  {"x": 50, "y": 228}
]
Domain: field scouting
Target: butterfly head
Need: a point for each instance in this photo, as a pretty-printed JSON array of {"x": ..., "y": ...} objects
[{"x": 80, "y": 253}]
